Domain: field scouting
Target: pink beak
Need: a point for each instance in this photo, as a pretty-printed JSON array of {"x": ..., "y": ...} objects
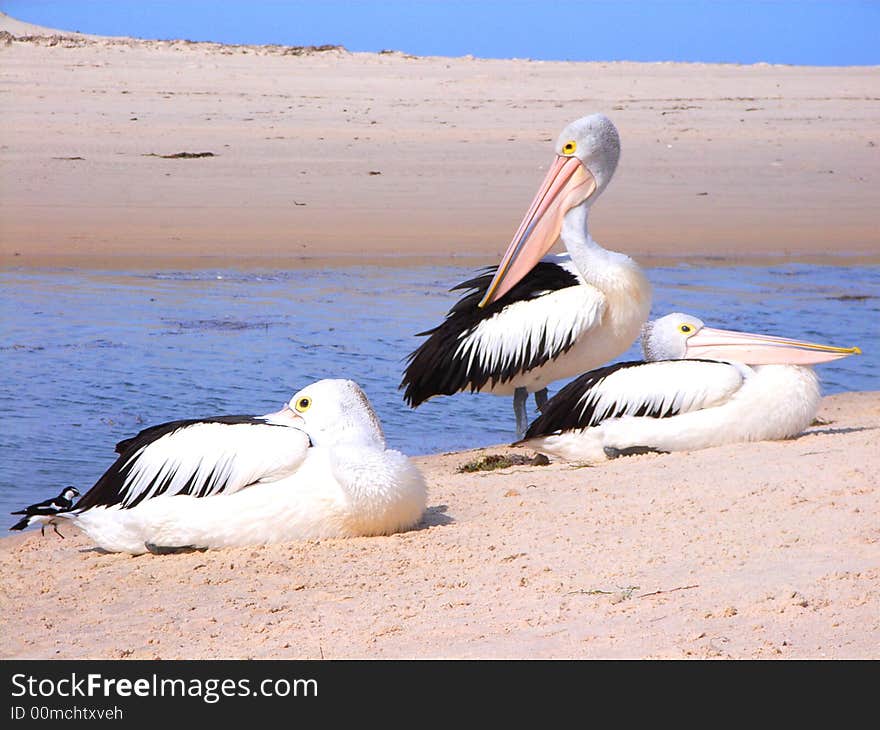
[
  {"x": 285, "y": 417},
  {"x": 567, "y": 184},
  {"x": 713, "y": 344}
]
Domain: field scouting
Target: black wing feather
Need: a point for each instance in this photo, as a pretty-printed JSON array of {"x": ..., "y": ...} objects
[
  {"x": 148, "y": 435},
  {"x": 109, "y": 489},
  {"x": 570, "y": 410},
  {"x": 435, "y": 368}
]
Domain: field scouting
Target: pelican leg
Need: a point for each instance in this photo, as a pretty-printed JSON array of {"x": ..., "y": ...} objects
[
  {"x": 520, "y": 397},
  {"x": 55, "y": 526},
  {"x": 43, "y": 530},
  {"x": 541, "y": 399}
]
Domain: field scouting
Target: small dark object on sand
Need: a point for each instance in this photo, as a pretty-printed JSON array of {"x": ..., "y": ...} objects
[
  {"x": 182, "y": 155},
  {"x": 491, "y": 462}
]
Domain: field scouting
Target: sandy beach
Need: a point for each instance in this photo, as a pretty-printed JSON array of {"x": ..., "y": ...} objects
[
  {"x": 123, "y": 154},
  {"x": 326, "y": 153},
  {"x": 763, "y": 550}
]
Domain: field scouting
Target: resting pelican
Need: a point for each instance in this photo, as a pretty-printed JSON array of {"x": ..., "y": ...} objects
[
  {"x": 316, "y": 468},
  {"x": 531, "y": 321},
  {"x": 700, "y": 387}
]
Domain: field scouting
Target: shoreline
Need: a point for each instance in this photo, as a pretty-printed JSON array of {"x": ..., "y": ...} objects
[
  {"x": 321, "y": 154},
  {"x": 758, "y": 550},
  {"x": 123, "y": 262}
]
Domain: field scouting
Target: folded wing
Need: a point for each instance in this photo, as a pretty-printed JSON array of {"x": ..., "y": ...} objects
[
  {"x": 198, "y": 457},
  {"x": 643, "y": 389},
  {"x": 536, "y": 321}
]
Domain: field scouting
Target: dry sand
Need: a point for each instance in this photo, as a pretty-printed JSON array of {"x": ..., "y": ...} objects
[
  {"x": 718, "y": 160},
  {"x": 764, "y": 550}
]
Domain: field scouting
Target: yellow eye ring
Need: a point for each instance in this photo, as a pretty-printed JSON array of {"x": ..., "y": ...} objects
[
  {"x": 569, "y": 147},
  {"x": 685, "y": 329},
  {"x": 302, "y": 405}
]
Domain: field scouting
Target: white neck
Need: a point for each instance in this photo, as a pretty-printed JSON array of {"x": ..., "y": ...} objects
[
  {"x": 615, "y": 274},
  {"x": 588, "y": 256}
]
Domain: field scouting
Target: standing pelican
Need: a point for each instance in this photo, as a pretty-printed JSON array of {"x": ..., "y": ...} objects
[
  {"x": 531, "y": 321},
  {"x": 700, "y": 387},
  {"x": 316, "y": 468}
]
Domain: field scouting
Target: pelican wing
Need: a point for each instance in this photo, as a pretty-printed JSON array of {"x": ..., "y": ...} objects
[
  {"x": 536, "y": 321},
  {"x": 643, "y": 389},
  {"x": 198, "y": 457}
]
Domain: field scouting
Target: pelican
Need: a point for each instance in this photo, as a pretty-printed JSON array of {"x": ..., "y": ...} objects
[
  {"x": 532, "y": 320},
  {"x": 319, "y": 467},
  {"x": 699, "y": 387}
]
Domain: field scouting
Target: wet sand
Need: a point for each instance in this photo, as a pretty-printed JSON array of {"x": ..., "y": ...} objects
[
  {"x": 325, "y": 154},
  {"x": 763, "y": 550}
]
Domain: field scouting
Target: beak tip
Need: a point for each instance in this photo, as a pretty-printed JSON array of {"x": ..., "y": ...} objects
[{"x": 857, "y": 350}]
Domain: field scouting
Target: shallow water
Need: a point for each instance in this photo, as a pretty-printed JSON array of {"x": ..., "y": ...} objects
[{"x": 91, "y": 357}]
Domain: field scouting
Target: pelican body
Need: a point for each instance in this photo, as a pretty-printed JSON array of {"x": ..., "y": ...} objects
[
  {"x": 319, "y": 467},
  {"x": 698, "y": 387},
  {"x": 534, "y": 318}
]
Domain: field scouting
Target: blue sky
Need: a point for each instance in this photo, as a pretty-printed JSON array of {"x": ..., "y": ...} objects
[{"x": 815, "y": 32}]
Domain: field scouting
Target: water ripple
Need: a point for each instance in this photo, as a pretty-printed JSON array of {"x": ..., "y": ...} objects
[{"x": 81, "y": 375}]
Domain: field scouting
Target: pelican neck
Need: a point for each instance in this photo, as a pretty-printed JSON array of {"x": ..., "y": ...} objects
[{"x": 588, "y": 256}]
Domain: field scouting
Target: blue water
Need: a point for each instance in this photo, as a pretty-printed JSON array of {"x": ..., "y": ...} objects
[{"x": 91, "y": 357}]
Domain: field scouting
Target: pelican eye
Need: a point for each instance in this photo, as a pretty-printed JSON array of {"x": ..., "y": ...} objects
[
  {"x": 685, "y": 329},
  {"x": 302, "y": 405},
  {"x": 569, "y": 147}
]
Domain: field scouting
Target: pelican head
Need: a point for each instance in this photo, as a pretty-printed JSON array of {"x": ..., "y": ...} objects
[
  {"x": 332, "y": 413},
  {"x": 682, "y": 336},
  {"x": 594, "y": 141},
  {"x": 587, "y": 152}
]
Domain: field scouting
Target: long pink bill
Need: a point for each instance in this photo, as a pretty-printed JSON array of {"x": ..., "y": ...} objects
[
  {"x": 567, "y": 184},
  {"x": 285, "y": 417},
  {"x": 752, "y": 349}
]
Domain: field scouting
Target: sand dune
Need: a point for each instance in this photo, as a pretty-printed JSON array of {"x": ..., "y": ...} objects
[{"x": 321, "y": 153}]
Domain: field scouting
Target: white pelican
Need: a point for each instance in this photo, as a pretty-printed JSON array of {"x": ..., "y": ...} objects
[
  {"x": 532, "y": 321},
  {"x": 43, "y": 513},
  {"x": 316, "y": 468},
  {"x": 699, "y": 387}
]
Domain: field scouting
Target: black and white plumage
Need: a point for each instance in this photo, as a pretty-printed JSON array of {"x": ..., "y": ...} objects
[
  {"x": 535, "y": 319},
  {"x": 637, "y": 388},
  {"x": 199, "y": 457},
  {"x": 43, "y": 513},
  {"x": 319, "y": 467},
  {"x": 685, "y": 396},
  {"x": 464, "y": 354}
]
